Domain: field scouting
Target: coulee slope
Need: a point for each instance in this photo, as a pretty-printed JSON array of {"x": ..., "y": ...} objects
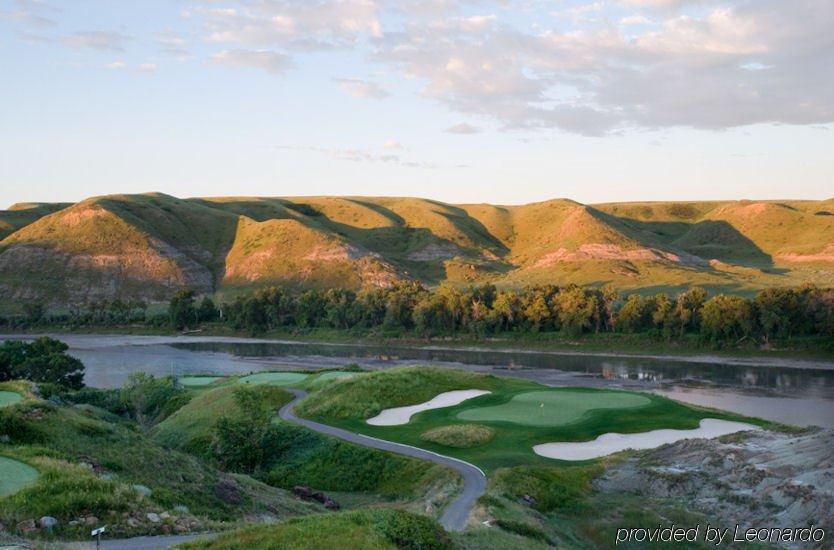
[{"x": 145, "y": 246}]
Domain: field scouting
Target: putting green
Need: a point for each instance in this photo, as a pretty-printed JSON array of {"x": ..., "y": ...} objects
[
  {"x": 198, "y": 380},
  {"x": 274, "y": 378},
  {"x": 14, "y": 476},
  {"x": 553, "y": 408},
  {"x": 333, "y": 375},
  {"x": 9, "y": 398}
]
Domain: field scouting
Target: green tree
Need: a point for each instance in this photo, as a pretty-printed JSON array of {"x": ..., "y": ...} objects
[
  {"x": 726, "y": 318},
  {"x": 207, "y": 311},
  {"x": 44, "y": 360},
  {"x": 181, "y": 310},
  {"x": 576, "y": 308},
  {"x": 241, "y": 441}
]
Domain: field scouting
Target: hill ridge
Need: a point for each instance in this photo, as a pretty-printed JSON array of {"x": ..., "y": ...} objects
[{"x": 147, "y": 245}]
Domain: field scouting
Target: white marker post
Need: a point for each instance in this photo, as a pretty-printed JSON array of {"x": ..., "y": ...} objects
[{"x": 97, "y": 533}]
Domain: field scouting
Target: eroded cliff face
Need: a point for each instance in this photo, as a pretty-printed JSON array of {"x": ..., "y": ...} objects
[
  {"x": 761, "y": 479},
  {"x": 146, "y": 246}
]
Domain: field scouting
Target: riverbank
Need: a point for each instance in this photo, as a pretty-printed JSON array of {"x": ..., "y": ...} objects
[{"x": 589, "y": 346}]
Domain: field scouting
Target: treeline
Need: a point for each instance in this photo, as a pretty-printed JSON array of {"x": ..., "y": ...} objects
[
  {"x": 410, "y": 308},
  {"x": 781, "y": 313}
]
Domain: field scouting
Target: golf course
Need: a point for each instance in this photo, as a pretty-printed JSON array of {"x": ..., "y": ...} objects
[{"x": 500, "y": 425}]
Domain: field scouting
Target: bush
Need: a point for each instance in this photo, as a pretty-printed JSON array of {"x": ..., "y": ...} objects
[
  {"x": 409, "y": 531},
  {"x": 553, "y": 488}
]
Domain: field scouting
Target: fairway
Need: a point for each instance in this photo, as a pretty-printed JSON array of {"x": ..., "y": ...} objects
[
  {"x": 274, "y": 378},
  {"x": 198, "y": 380},
  {"x": 553, "y": 408},
  {"x": 9, "y": 398},
  {"x": 14, "y": 476}
]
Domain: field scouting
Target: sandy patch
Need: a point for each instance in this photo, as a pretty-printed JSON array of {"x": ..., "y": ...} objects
[
  {"x": 401, "y": 415},
  {"x": 609, "y": 443}
]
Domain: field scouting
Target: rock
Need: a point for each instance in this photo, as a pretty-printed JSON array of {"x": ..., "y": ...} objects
[
  {"x": 301, "y": 491},
  {"x": 91, "y": 520},
  {"x": 528, "y": 500},
  {"x": 318, "y": 496},
  {"x": 133, "y": 522},
  {"x": 48, "y": 522},
  {"x": 331, "y": 504},
  {"x": 164, "y": 515},
  {"x": 74, "y": 522},
  {"x": 180, "y": 528},
  {"x": 27, "y": 526},
  {"x": 153, "y": 517}
]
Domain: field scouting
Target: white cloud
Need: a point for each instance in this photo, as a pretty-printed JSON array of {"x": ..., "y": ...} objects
[
  {"x": 292, "y": 24},
  {"x": 392, "y": 144},
  {"x": 462, "y": 128},
  {"x": 147, "y": 67},
  {"x": 269, "y": 61},
  {"x": 116, "y": 65},
  {"x": 97, "y": 40},
  {"x": 687, "y": 70},
  {"x": 361, "y": 89},
  {"x": 635, "y": 20}
]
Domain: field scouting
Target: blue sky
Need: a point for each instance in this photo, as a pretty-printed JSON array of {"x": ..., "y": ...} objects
[{"x": 463, "y": 101}]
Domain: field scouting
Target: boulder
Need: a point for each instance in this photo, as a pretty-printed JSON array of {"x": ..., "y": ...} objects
[
  {"x": 48, "y": 522},
  {"x": 153, "y": 517}
]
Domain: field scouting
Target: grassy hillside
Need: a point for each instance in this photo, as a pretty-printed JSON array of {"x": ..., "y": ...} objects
[
  {"x": 93, "y": 464},
  {"x": 145, "y": 246}
]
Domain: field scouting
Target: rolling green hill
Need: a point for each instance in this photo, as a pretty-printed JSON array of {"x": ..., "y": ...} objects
[{"x": 145, "y": 246}]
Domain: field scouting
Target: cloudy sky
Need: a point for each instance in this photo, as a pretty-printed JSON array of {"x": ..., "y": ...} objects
[{"x": 463, "y": 101}]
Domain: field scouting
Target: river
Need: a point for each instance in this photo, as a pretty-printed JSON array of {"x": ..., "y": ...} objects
[{"x": 802, "y": 394}]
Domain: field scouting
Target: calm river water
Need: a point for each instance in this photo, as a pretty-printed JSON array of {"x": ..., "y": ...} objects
[{"x": 800, "y": 396}]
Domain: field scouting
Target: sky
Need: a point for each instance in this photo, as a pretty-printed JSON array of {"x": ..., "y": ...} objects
[{"x": 504, "y": 102}]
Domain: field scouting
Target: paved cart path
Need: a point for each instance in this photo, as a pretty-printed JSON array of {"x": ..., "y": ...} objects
[{"x": 474, "y": 481}]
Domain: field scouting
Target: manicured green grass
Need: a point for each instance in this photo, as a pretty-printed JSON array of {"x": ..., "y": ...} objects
[
  {"x": 198, "y": 381},
  {"x": 355, "y": 400},
  {"x": 273, "y": 378},
  {"x": 379, "y": 529},
  {"x": 553, "y": 407},
  {"x": 9, "y": 398},
  {"x": 14, "y": 476}
]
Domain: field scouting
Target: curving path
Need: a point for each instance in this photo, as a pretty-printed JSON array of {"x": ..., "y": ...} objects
[{"x": 474, "y": 481}]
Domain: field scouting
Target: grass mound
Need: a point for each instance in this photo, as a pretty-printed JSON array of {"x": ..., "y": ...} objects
[
  {"x": 554, "y": 407},
  {"x": 366, "y": 396},
  {"x": 368, "y": 529},
  {"x": 8, "y": 398},
  {"x": 198, "y": 381},
  {"x": 15, "y": 476},
  {"x": 461, "y": 436},
  {"x": 190, "y": 428},
  {"x": 273, "y": 378}
]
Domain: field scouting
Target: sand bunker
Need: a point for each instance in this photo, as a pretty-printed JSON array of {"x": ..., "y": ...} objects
[
  {"x": 9, "y": 398},
  {"x": 609, "y": 443},
  {"x": 198, "y": 380},
  {"x": 14, "y": 476},
  {"x": 274, "y": 378},
  {"x": 401, "y": 415}
]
